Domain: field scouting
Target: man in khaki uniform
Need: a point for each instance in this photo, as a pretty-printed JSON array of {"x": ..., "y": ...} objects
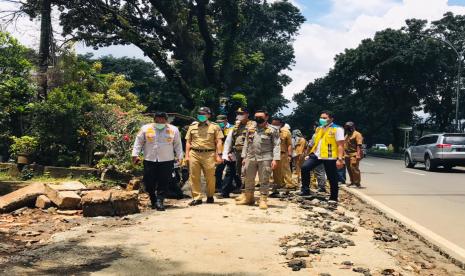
[
  {"x": 300, "y": 147},
  {"x": 203, "y": 151},
  {"x": 282, "y": 175},
  {"x": 233, "y": 148},
  {"x": 353, "y": 153},
  {"x": 262, "y": 151}
]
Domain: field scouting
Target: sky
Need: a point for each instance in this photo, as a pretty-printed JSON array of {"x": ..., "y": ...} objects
[{"x": 331, "y": 26}]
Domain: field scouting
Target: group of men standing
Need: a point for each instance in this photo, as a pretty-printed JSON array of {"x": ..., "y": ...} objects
[{"x": 247, "y": 149}]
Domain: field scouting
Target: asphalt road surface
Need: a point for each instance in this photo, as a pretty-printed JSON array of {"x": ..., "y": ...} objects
[{"x": 435, "y": 200}]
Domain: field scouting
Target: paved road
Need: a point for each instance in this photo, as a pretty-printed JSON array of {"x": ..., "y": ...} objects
[{"x": 436, "y": 200}]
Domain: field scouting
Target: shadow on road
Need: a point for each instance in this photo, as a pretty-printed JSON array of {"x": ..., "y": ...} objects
[
  {"x": 444, "y": 171},
  {"x": 71, "y": 258}
]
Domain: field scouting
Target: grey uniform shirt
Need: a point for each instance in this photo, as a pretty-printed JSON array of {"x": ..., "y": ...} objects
[{"x": 262, "y": 144}]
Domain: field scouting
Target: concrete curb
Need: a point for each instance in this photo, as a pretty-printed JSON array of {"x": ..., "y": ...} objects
[{"x": 446, "y": 248}]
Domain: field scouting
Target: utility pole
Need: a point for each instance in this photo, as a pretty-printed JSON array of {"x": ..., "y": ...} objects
[{"x": 460, "y": 55}]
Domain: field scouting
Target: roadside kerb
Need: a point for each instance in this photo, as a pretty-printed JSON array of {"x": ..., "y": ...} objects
[{"x": 446, "y": 248}]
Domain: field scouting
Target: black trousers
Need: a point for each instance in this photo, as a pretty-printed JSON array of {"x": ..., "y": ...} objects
[
  {"x": 331, "y": 172},
  {"x": 157, "y": 177},
  {"x": 219, "y": 176},
  {"x": 231, "y": 174}
]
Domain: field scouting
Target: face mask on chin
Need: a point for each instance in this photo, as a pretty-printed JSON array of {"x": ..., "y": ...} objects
[{"x": 221, "y": 125}]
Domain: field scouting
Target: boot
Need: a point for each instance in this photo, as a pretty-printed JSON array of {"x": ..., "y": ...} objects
[
  {"x": 159, "y": 205},
  {"x": 247, "y": 200},
  {"x": 240, "y": 197},
  {"x": 153, "y": 201},
  {"x": 263, "y": 200}
]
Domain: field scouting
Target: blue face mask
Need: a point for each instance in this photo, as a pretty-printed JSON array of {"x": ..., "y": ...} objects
[
  {"x": 323, "y": 122},
  {"x": 202, "y": 118},
  {"x": 221, "y": 125}
]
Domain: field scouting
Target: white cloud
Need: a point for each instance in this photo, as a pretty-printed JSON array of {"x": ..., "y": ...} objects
[{"x": 317, "y": 44}]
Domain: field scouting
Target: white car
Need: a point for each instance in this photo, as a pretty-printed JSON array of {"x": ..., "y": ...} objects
[{"x": 380, "y": 147}]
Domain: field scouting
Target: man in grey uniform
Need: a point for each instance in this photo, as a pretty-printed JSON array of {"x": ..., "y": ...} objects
[{"x": 261, "y": 153}]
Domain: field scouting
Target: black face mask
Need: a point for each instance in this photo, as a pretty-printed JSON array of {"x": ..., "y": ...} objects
[
  {"x": 259, "y": 120},
  {"x": 349, "y": 129}
]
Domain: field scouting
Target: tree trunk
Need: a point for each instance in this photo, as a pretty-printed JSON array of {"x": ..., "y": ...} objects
[{"x": 44, "y": 47}]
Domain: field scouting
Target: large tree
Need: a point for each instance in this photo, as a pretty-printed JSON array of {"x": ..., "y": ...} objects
[
  {"x": 206, "y": 48},
  {"x": 383, "y": 82}
]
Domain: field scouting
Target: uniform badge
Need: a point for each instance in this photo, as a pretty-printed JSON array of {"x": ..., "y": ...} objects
[{"x": 150, "y": 135}]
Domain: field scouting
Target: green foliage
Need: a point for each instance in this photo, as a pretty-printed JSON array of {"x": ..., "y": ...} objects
[
  {"x": 204, "y": 49},
  {"x": 381, "y": 83},
  {"x": 27, "y": 174},
  {"x": 239, "y": 99},
  {"x": 90, "y": 107},
  {"x": 23, "y": 145},
  {"x": 16, "y": 89}
]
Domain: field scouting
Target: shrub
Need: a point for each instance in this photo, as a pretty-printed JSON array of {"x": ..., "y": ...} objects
[{"x": 23, "y": 145}]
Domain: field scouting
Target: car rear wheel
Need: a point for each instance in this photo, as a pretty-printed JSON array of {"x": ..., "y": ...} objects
[
  {"x": 429, "y": 164},
  {"x": 408, "y": 162}
]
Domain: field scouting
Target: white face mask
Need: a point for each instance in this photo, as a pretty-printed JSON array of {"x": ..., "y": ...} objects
[{"x": 240, "y": 117}]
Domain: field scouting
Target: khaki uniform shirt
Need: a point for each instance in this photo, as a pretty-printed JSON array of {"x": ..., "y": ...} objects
[
  {"x": 286, "y": 140},
  {"x": 236, "y": 138},
  {"x": 352, "y": 141},
  {"x": 300, "y": 146},
  {"x": 203, "y": 136},
  {"x": 262, "y": 144}
]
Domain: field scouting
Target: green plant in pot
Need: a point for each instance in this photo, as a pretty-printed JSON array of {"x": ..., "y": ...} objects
[{"x": 23, "y": 148}]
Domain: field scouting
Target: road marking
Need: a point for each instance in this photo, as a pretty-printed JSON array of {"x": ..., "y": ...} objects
[{"x": 414, "y": 173}]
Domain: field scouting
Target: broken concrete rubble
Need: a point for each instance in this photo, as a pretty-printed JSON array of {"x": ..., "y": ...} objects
[
  {"x": 297, "y": 252},
  {"x": 23, "y": 197},
  {"x": 68, "y": 186},
  {"x": 109, "y": 203},
  {"x": 43, "y": 202},
  {"x": 125, "y": 202},
  {"x": 97, "y": 203},
  {"x": 63, "y": 199}
]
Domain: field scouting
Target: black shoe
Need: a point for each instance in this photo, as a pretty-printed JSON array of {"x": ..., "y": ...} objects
[
  {"x": 210, "y": 200},
  {"x": 159, "y": 205},
  {"x": 332, "y": 204},
  {"x": 153, "y": 201},
  {"x": 195, "y": 202},
  {"x": 322, "y": 190},
  {"x": 303, "y": 194},
  {"x": 224, "y": 196},
  {"x": 274, "y": 194}
]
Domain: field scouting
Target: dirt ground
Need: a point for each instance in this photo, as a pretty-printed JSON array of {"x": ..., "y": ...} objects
[{"x": 217, "y": 239}]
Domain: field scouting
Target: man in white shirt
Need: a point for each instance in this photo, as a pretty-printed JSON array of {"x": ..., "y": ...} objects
[{"x": 161, "y": 145}]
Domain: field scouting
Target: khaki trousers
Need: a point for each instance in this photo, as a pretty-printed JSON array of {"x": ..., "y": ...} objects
[
  {"x": 352, "y": 164},
  {"x": 202, "y": 161},
  {"x": 282, "y": 176},
  {"x": 263, "y": 168}
]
